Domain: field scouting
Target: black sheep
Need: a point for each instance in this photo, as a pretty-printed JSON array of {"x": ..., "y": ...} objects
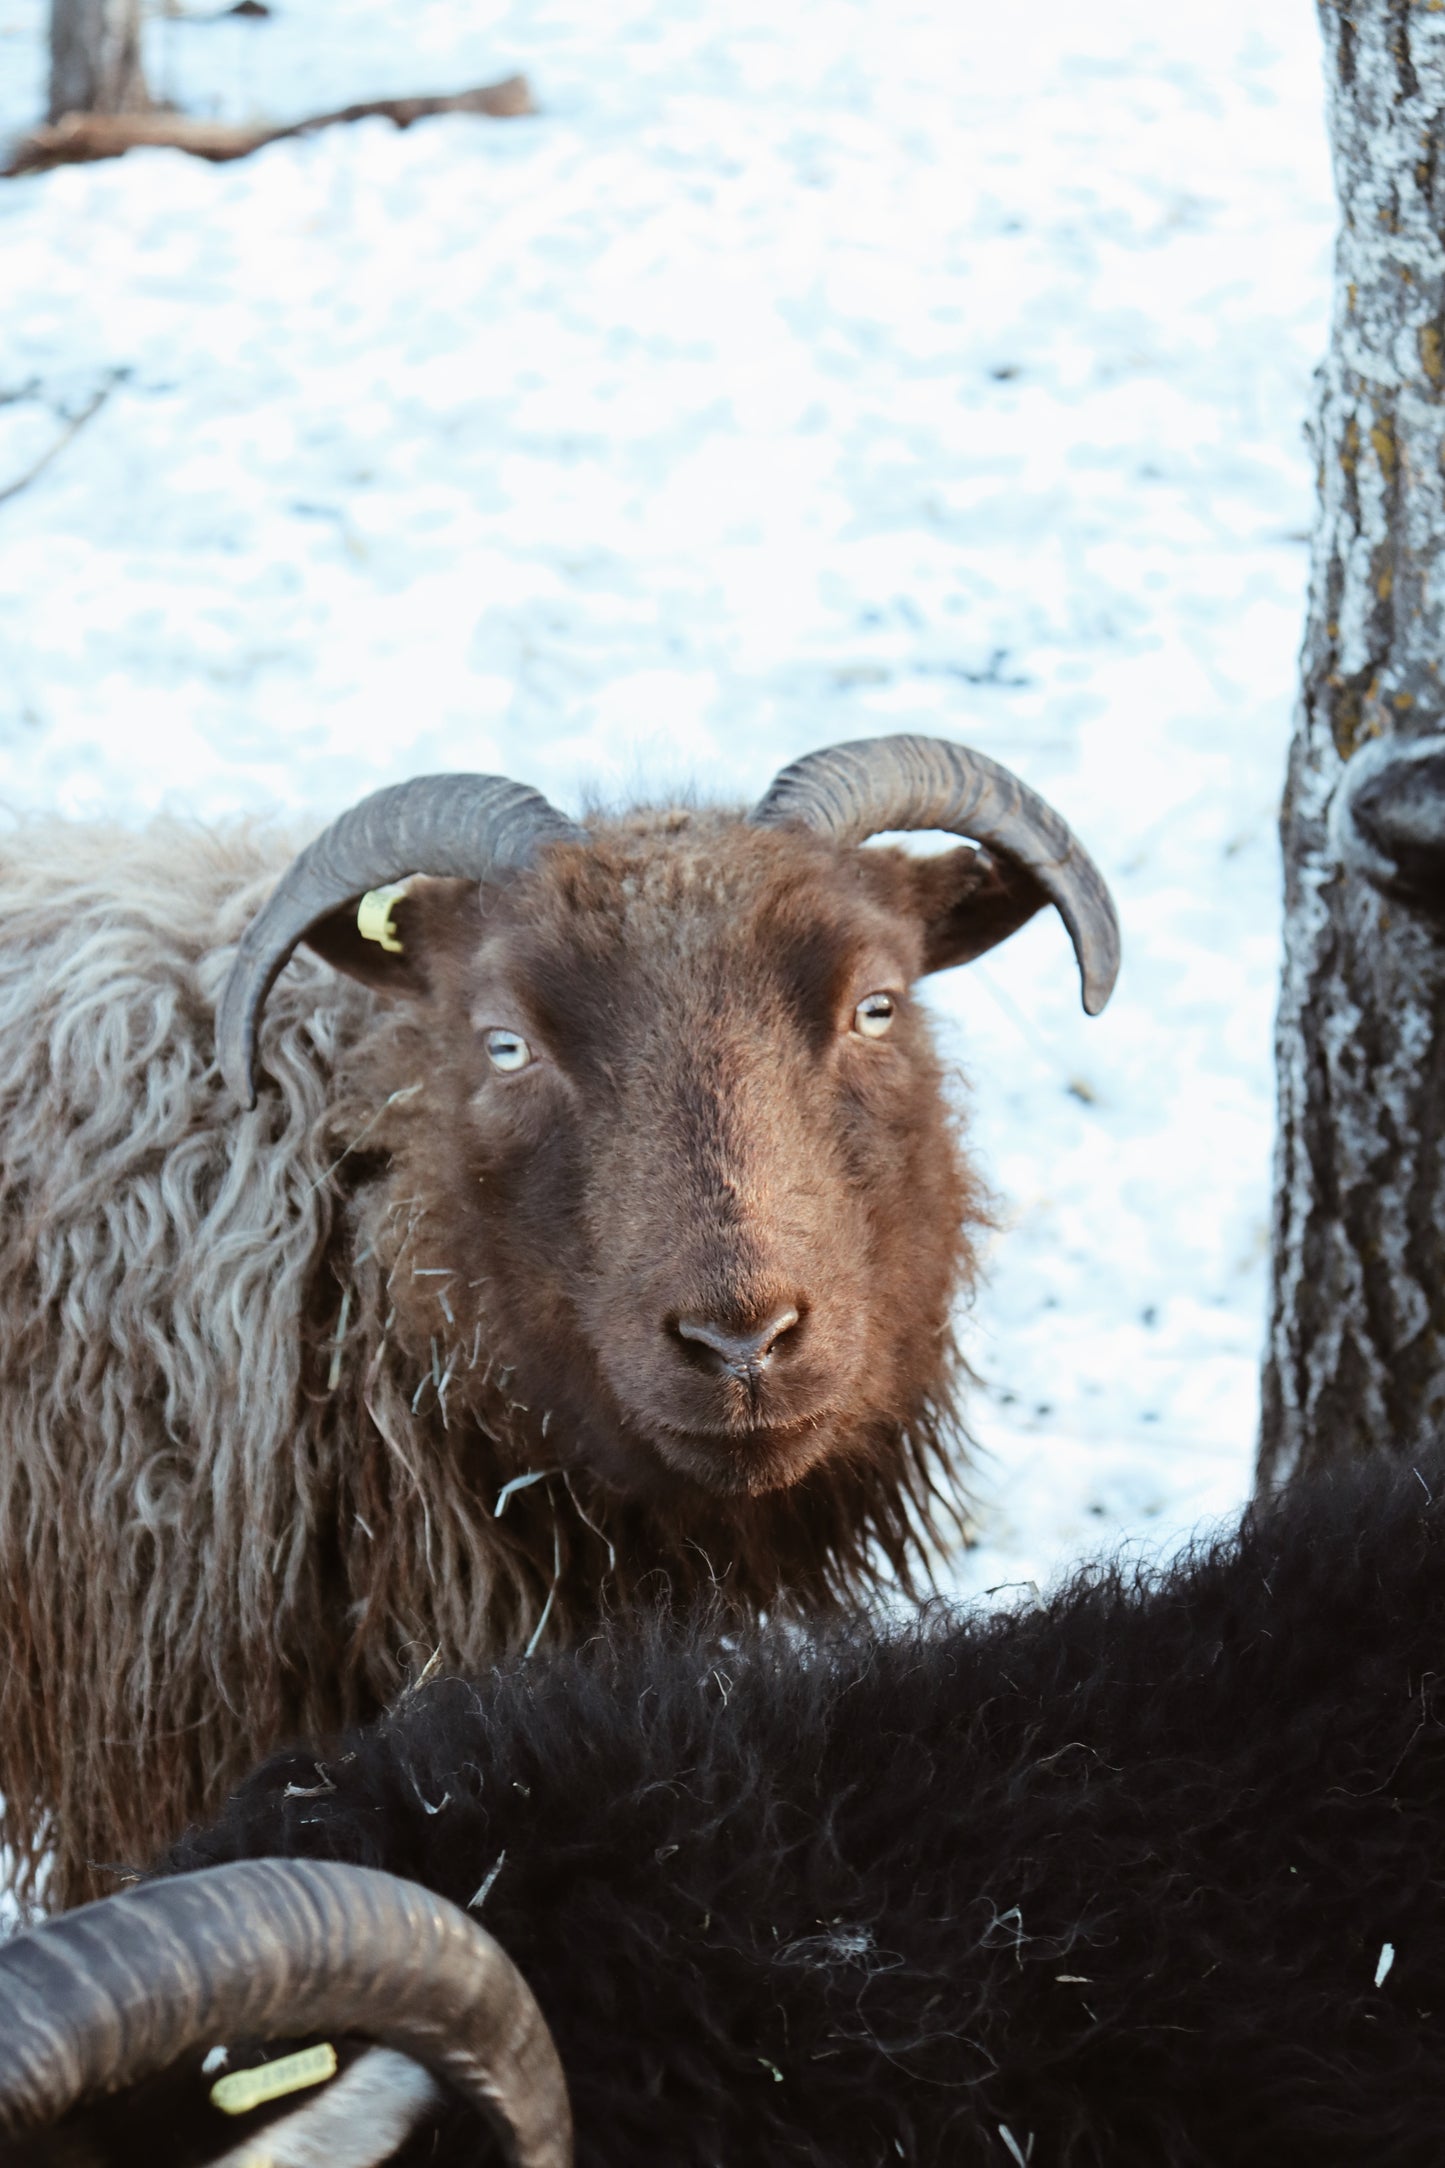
[{"x": 1153, "y": 1873}]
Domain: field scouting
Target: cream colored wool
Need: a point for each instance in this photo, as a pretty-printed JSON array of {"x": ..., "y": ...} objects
[{"x": 202, "y": 1548}]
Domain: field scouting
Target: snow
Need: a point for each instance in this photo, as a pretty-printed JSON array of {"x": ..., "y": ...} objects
[{"x": 798, "y": 373}]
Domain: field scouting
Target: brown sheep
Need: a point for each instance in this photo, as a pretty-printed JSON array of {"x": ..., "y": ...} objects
[{"x": 619, "y": 1243}]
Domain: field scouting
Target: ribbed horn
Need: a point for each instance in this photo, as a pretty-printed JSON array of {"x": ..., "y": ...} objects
[
  {"x": 472, "y": 826},
  {"x": 859, "y": 790},
  {"x": 275, "y": 1949}
]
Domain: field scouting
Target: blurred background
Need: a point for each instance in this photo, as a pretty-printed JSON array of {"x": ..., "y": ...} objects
[{"x": 795, "y": 373}]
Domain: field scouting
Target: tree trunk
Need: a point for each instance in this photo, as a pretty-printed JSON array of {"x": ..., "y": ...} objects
[
  {"x": 95, "y": 58},
  {"x": 1356, "y": 1359}
]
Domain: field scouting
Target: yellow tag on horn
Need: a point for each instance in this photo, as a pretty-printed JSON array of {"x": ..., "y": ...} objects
[
  {"x": 242, "y": 2090},
  {"x": 373, "y": 917}
]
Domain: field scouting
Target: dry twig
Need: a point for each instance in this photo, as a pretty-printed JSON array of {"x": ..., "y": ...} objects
[
  {"x": 81, "y": 138},
  {"x": 72, "y": 428}
]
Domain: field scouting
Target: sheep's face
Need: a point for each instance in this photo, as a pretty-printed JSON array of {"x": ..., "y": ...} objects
[{"x": 684, "y": 1146}]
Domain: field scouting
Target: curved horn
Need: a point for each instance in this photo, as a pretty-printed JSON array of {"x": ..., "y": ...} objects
[
  {"x": 858, "y": 790},
  {"x": 1387, "y": 819},
  {"x": 470, "y": 825},
  {"x": 275, "y": 1949}
]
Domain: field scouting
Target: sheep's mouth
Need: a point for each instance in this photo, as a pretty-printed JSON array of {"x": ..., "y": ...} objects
[
  {"x": 755, "y": 1424},
  {"x": 746, "y": 1458}
]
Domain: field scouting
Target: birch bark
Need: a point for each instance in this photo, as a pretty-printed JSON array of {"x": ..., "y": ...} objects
[
  {"x": 1356, "y": 1355},
  {"x": 95, "y": 58}
]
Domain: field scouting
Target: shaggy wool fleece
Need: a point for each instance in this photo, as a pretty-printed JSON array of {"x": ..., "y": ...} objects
[
  {"x": 155, "y": 1256},
  {"x": 1146, "y": 1877}
]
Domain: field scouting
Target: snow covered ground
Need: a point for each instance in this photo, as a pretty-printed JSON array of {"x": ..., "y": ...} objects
[{"x": 800, "y": 372}]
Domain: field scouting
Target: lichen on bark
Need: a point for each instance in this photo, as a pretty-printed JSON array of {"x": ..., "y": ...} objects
[{"x": 1356, "y": 1355}]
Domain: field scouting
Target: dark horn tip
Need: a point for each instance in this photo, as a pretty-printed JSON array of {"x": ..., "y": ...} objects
[
  {"x": 235, "y": 1049},
  {"x": 1099, "y": 962},
  {"x": 237, "y": 1066}
]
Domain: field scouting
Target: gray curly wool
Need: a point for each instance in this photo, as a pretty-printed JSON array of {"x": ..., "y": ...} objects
[{"x": 205, "y": 1544}]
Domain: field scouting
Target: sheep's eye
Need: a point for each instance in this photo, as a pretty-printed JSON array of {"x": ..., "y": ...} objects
[
  {"x": 507, "y": 1051},
  {"x": 874, "y": 1015}
]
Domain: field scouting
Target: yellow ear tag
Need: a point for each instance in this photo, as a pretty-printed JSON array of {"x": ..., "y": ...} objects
[
  {"x": 373, "y": 917},
  {"x": 242, "y": 2090}
]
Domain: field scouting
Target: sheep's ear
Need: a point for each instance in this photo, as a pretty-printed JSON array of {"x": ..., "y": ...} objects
[
  {"x": 968, "y": 901},
  {"x": 431, "y": 920}
]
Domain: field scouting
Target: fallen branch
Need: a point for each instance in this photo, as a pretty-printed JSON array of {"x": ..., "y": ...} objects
[
  {"x": 80, "y": 138},
  {"x": 53, "y": 451}
]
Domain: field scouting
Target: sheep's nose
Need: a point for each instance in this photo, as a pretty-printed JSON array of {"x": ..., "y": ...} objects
[{"x": 738, "y": 1352}]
